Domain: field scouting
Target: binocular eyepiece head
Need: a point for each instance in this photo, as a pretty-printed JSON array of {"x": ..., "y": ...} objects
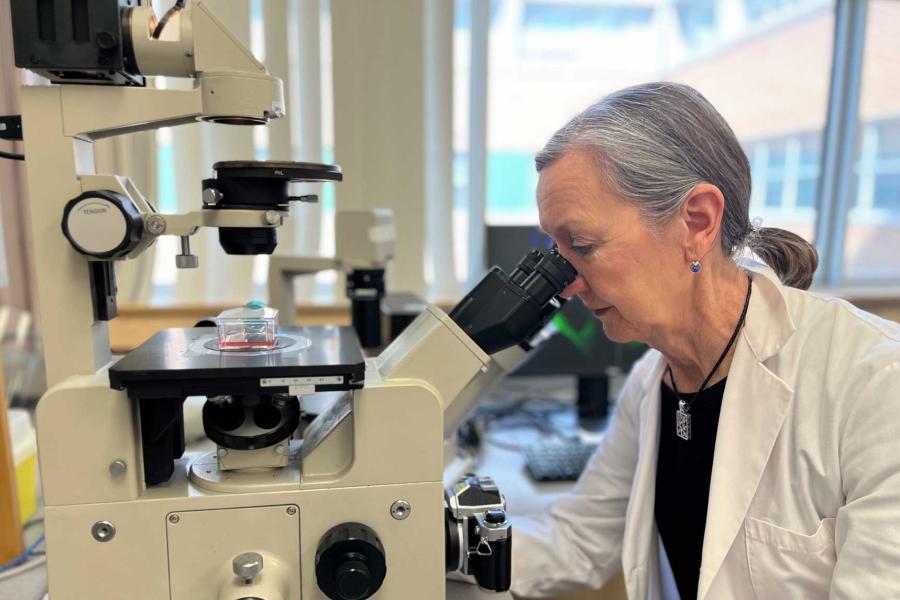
[{"x": 506, "y": 310}]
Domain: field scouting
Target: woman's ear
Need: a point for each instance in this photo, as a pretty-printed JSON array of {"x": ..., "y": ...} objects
[{"x": 702, "y": 213}]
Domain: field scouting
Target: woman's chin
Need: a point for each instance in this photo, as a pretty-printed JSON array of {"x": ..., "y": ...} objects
[{"x": 617, "y": 330}]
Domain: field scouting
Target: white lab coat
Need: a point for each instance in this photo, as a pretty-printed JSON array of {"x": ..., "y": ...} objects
[{"x": 805, "y": 494}]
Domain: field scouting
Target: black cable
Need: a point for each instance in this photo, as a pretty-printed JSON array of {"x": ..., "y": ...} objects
[
  {"x": 11, "y": 156},
  {"x": 516, "y": 412},
  {"x": 166, "y": 17}
]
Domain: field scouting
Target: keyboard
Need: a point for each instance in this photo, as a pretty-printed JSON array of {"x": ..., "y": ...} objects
[{"x": 557, "y": 460}]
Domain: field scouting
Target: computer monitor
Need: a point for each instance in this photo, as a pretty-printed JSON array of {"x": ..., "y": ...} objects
[{"x": 578, "y": 347}]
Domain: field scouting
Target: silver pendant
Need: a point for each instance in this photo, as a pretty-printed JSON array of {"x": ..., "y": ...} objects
[{"x": 683, "y": 421}]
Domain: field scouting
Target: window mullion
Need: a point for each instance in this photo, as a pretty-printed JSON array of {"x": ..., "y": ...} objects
[{"x": 839, "y": 139}]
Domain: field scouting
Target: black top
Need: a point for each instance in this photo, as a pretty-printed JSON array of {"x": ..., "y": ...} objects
[{"x": 683, "y": 474}]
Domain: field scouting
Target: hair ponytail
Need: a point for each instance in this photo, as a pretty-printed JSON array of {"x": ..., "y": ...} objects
[{"x": 789, "y": 255}]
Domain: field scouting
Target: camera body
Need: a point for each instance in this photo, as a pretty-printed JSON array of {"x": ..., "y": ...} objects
[{"x": 478, "y": 533}]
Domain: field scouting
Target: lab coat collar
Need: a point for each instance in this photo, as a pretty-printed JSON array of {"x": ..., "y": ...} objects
[{"x": 769, "y": 323}]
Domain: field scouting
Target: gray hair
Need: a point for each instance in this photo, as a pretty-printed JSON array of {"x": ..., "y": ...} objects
[{"x": 654, "y": 143}]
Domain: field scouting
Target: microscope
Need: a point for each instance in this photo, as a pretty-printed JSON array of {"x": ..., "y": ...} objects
[
  {"x": 364, "y": 243},
  {"x": 352, "y": 509}
]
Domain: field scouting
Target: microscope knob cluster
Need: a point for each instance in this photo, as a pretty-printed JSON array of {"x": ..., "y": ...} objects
[
  {"x": 103, "y": 224},
  {"x": 350, "y": 563}
]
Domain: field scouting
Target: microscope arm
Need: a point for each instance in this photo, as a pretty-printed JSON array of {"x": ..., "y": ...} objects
[
  {"x": 62, "y": 122},
  {"x": 229, "y": 84},
  {"x": 188, "y": 223}
]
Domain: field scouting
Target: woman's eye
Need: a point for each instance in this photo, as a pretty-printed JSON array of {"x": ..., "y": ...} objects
[{"x": 583, "y": 250}]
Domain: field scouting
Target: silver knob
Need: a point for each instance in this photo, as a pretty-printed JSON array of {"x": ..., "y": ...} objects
[
  {"x": 155, "y": 224},
  {"x": 117, "y": 468},
  {"x": 247, "y": 565},
  {"x": 186, "y": 260},
  {"x": 212, "y": 196}
]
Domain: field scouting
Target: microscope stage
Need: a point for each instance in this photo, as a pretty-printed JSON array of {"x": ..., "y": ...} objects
[{"x": 176, "y": 363}]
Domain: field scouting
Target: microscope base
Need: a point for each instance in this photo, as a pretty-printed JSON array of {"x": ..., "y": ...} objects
[{"x": 178, "y": 543}]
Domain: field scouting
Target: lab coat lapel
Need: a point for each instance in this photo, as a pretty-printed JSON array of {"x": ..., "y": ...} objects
[
  {"x": 753, "y": 410},
  {"x": 639, "y": 548}
]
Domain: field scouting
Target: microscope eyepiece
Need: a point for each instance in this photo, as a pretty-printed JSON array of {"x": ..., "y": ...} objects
[
  {"x": 525, "y": 267},
  {"x": 506, "y": 310},
  {"x": 550, "y": 277}
]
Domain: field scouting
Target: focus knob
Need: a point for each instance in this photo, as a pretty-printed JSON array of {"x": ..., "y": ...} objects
[
  {"x": 353, "y": 578},
  {"x": 103, "y": 224},
  {"x": 350, "y": 563}
]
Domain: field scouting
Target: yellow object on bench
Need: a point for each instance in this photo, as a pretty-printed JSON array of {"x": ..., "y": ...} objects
[{"x": 24, "y": 450}]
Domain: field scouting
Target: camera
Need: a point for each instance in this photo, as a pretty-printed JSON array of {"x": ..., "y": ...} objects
[{"x": 478, "y": 534}]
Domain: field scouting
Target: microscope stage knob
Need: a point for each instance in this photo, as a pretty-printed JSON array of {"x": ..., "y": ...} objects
[{"x": 247, "y": 565}]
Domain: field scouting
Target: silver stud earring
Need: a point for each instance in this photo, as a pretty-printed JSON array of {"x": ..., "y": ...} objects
[{"x": 696, "y": 266}]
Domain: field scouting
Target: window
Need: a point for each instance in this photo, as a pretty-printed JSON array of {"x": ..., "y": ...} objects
[
  {"x": 697, "y": 20},
  {"x": 886, "y": 167},
  {"x": 462, "y": 13},
  {"x": 769, "y": 79},
  {"x": 596, "y": 17},
  {"x": 786, "y": 172},
  {"x": 872, "y": 238},
  {"x": 808, "y": 167},
  {"x": 775, "y": 174},
  {"x": 767, "y": 9}
]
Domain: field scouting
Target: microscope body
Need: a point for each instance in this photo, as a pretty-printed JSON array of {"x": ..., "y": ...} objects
[
  {"x": 375, "y": 458},
  {"x": 353, "y": 508}
]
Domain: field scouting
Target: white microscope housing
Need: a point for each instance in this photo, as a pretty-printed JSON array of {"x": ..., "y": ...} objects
[{"x": 355, "y": 507}]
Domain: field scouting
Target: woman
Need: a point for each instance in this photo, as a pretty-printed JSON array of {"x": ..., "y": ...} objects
[{"x": 755, "y": 450}]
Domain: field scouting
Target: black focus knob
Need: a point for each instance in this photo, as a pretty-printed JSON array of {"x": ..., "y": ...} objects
[
  {"x": 103, "y": 224},
  {"x": 353, "y": 578},
  {"x": 350, "y": 562}
]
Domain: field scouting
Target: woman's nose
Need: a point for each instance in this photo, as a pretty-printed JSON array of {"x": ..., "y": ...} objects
[{"x": 576, "y": 287}]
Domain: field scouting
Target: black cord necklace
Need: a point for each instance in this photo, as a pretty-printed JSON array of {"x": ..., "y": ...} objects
[{"x": 683, "y": 416}]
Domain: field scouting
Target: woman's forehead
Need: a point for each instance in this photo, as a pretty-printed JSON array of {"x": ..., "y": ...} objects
[
  {"x": 577, "y": 197},
  {"x": 562, "y": 215}
]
